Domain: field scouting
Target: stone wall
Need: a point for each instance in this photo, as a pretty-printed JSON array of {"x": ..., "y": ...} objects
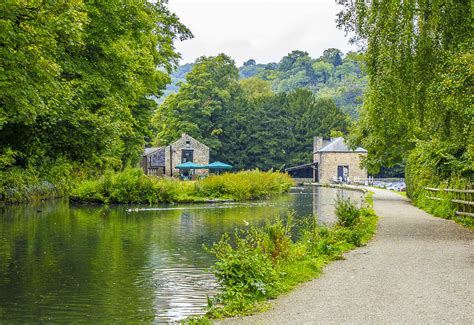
[
  {"x": 173, "y": 154},
  {"x": 328, "y": 162}
]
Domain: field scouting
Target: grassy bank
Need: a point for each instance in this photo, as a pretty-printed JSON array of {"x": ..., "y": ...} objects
[
  {"x": 439, "y": 165},
  {"x": 132, "y": 186},
  {"x": 51, "y": 180},
  {"x": 257, "y": 264},
  {"x": 444, "y": 207}
]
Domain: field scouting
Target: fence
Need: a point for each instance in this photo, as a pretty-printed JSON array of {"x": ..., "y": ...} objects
[
  {"x": 364, "y": 181},
  {"x": 160, "y": 171},
  {"x": 462, "y": 198}
]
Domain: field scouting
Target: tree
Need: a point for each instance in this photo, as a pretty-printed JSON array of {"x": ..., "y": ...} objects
[
  {"x": 255, "y": 88},
  {"x": 332, "y": 56},
  {"x": 198, "y": 108},
  {"x": 77, "y": 77},
  {"x": 418, "y": 91},
  {"x": 244, "y": 122}
]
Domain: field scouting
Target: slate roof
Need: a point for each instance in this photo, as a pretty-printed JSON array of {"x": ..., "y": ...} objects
[
  {"x": 150, "y": 150},
  {"x": 339, "y": 145}
]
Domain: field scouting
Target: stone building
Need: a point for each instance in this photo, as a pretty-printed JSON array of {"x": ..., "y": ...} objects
[
  {"x": 163, "y": 160},
  {"x": 334, "y": 161}
]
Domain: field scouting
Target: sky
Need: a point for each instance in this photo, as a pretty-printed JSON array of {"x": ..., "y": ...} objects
[{"x": 263, "y": 30}]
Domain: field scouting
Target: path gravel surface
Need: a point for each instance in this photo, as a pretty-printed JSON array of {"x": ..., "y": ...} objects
[{"x": 417, "y": 270}]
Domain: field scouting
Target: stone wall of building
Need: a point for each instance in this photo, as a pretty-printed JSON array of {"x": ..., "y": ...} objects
[
  {"x": 329, "y": 161},
  {"x": 173, "y": 154}
]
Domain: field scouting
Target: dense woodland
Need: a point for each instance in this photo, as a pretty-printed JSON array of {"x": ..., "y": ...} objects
[
  {"x": 244, "y": 121},
  {"x": 79, "y": 82},
  {"x": 76, "y": 79},
  {"x": 333, "y": 75}
]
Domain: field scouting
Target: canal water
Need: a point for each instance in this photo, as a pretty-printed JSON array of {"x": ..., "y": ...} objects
[{"x": 68, "y": 264}]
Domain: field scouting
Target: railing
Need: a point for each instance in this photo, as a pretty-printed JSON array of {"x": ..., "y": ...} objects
[
  {"x": 155, "y": 171},
  {"x": 361, "y": 180},
  {"x": 462, "y": 198}
]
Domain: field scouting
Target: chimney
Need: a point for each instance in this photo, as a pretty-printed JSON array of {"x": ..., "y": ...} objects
[{"x": 320, "y": 142}]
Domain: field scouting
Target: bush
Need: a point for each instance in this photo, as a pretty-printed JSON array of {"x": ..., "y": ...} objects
[
  {"x": 22, "y": 185},
  {"x": 259, "y": 263},
  {"x": 245, "y": 272},
  {"x": 133, "y": 186},
  {"x": 439, "y": 165},
  {"x": 246, "y": 185},
  {"x": 47, "y": 180},
  {"x": 347, "y": 213}
]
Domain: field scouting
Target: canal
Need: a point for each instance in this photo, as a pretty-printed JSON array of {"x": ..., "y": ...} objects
[{"x": 66, "y": 264}]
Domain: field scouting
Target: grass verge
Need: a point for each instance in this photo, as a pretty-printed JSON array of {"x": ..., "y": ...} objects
[
  {"x": 257, "y": 264},
  {"x": 442, "y": 208}
]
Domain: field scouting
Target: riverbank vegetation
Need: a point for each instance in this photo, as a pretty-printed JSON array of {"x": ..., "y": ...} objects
[
  {"x": 75, "y": 88},
  {"x": 45, "y": 181},
  {"x": 418, "y": 105},
  {"x": 133, "y": 186},
  {"x": 259, "y": 263}
]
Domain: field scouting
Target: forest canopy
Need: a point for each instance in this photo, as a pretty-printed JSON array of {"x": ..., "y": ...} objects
[
  {"x": 418, "y": 106},
  {"x": 332, "y": 75},
  {"x": 243, "y": 121},
  {"x": 76, "y": 79}
]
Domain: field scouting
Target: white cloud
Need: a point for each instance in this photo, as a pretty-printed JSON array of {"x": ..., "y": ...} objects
[{"x": 263, "y": 30}]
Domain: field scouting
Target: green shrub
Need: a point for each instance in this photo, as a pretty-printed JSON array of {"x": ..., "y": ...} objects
[
  {"x": 21, "y": 185},
  {"x": 259, "y": 263},
  {"x": 347, "y": 213},
  {"x": 440, "y": 165},
  {"x": 133, "y": 186},
  {"x": 246, "y": 185}
]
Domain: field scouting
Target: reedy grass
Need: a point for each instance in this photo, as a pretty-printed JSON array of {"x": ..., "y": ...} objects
[{"x": 133, "y": 186}]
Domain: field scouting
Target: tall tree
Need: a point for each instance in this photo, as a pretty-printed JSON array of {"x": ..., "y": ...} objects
[
  {"x": 211, "y": 89},
  {"x": 77, "y": 77},
  {"x": 419, "y": 79}
]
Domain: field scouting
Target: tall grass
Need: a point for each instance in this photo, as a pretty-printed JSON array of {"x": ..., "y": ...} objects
[
  {"x": 261, "y": 262},
  {"x": 51, "y": 179},
  {"x": 246, "y": 185},
  {"x": 133, "y": 186}
]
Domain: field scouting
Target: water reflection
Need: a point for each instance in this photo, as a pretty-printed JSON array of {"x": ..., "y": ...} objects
[{"x": 94, "y": 264}]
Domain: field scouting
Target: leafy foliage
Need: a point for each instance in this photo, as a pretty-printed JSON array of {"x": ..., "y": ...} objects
[
  {"x": 133, "y": 186},
  {"x": 261, "y": 262},
  {"x": 420, "y": 81},
  {"x": 245, "y": 185},
  {"x": 244, "y": 122},
  {"x": 418, "y": 109},
  {"x": 347, "y": 213},
  {"x": 77, "y": 76},
  {"x": 334, "y": 75}
]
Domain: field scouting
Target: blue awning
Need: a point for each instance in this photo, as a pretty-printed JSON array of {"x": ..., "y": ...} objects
[
  {"x": 189, "y": 165},
  {"x": 218, "y": 165}
]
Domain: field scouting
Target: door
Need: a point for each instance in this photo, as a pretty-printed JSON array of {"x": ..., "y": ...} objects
[
  {"x": 186, "y": 155},
  {"x": 343, "y": 173}
]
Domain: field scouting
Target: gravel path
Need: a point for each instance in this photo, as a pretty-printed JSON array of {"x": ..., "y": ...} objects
[{"x": 417, "y": 269}]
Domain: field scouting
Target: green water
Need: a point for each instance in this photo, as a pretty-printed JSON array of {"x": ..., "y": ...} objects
[{"x": 69, "y": 264}]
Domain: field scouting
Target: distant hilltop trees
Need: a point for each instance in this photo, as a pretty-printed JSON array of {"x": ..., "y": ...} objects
[{"x": 333, "y": 75}]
